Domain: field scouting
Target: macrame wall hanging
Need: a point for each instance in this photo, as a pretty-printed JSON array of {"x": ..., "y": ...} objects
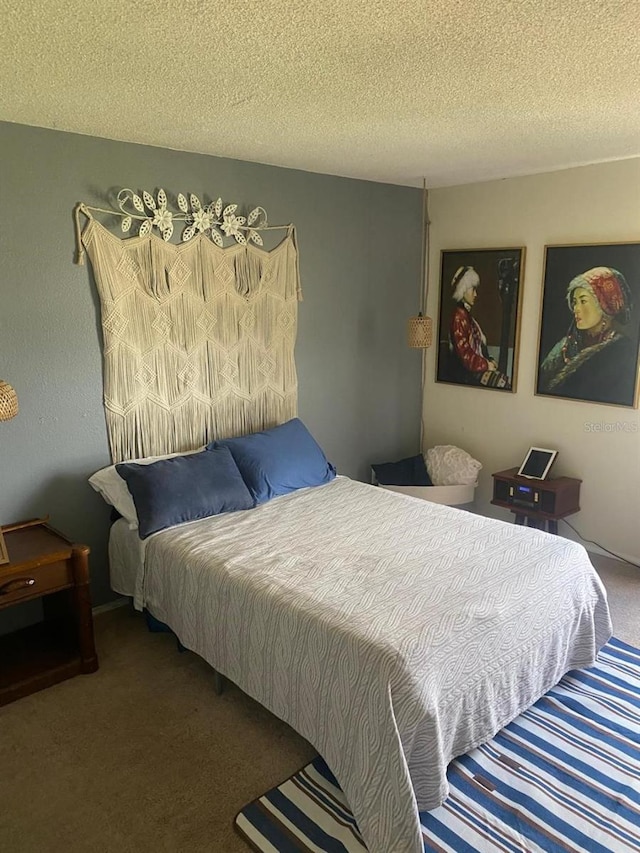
[{"x": 198, "y": 337}]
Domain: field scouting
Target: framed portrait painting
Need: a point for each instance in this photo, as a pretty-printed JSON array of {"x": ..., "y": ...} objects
[
  {"x": 590, "y": 323},
  {"x": 479, "y": 317}
]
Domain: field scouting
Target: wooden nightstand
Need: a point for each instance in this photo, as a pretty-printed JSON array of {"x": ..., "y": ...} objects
[
  {"x": 44, "y": 564},
  {"x": 539, "y": 503}
]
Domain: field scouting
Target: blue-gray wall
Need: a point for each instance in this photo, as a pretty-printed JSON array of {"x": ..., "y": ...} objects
[{"x": 359, "y": 385}]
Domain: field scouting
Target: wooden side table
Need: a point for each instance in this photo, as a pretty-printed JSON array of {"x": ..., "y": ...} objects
[
  {"x": 537, "y": 503},
  {"x": 44, "y": 564}
]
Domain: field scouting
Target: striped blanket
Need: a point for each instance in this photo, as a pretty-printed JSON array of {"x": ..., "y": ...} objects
[{"x": 563, "y": 777}]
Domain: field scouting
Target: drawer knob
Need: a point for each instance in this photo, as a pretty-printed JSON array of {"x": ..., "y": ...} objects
[{"x": 15, "y": 584}]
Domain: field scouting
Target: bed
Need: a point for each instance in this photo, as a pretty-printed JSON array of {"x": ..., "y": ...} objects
[{"x": 392, "y": 633}]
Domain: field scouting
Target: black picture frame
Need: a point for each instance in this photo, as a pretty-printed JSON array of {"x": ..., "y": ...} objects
[
  {"x": 589, "y": 352},
  {"x": 478, "y": 344}
]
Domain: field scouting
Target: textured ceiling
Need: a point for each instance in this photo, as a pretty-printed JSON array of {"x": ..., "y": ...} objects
[{"x": 452, "y": 90}]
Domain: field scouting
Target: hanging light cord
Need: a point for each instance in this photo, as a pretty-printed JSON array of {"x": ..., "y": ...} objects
[
  {"x": 424, "y": 290},
  {"x": 424, "y": 267}
]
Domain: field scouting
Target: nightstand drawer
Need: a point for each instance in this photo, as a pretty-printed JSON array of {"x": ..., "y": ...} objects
[{"x": 24, "y": 584}]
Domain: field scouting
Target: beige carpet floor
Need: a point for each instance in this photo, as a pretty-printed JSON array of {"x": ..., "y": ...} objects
[{"x": 144, "y": 756}]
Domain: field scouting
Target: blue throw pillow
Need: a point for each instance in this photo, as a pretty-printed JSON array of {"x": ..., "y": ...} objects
[
  {"x": 279, "y": 460},
  {"x": 405, "y": 472},
  {"x": 184, "y": 488}
]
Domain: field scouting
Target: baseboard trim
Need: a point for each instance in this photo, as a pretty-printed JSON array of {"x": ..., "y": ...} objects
[{"x": 110, "y": 605}]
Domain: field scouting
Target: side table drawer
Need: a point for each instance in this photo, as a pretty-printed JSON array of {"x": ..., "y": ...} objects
[{"x": 21, "y": 585}]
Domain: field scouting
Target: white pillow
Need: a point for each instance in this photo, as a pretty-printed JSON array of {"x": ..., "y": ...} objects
[
  {"x": 108, "y": 483},
  {"x": 450, "y": 466}
]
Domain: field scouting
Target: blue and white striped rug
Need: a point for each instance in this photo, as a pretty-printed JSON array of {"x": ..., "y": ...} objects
[{"x": 564, "y": 777}]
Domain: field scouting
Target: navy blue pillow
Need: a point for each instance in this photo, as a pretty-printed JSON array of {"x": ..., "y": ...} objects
[
  {"x": 279, "y": 460},
  {"x": 405, "y": 472},
  {"x": 184, "y": 488}
]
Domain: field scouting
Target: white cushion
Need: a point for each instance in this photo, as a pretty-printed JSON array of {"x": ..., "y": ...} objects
[
  {"x": 108, "y": 483},
  {"x": 450, "y": 466}
]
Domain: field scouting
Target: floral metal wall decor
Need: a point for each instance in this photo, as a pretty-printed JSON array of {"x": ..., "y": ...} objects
[{"x": 210, "y": 219}]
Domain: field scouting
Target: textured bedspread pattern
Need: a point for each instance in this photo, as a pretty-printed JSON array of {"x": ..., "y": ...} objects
[
  {"x": 392, "y": 633},
  {"x": 564, "y": 775}
]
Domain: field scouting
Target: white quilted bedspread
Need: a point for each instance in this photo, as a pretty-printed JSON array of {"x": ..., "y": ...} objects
[{"x": 392, "y": 633}]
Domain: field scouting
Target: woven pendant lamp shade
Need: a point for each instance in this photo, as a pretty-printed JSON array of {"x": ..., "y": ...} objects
[
  {"x": 419, "y": 332},
  {"x": 8, "y": 402}
]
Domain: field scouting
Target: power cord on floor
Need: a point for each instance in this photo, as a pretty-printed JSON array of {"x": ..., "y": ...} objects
[{"x": 591, "y": 542}]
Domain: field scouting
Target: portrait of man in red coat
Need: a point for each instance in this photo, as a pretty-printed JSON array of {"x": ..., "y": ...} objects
[{"x": 474, "y": 351}]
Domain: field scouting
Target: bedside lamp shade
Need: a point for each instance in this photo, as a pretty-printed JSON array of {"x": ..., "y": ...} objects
[{"x": 8, "y": 402}]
